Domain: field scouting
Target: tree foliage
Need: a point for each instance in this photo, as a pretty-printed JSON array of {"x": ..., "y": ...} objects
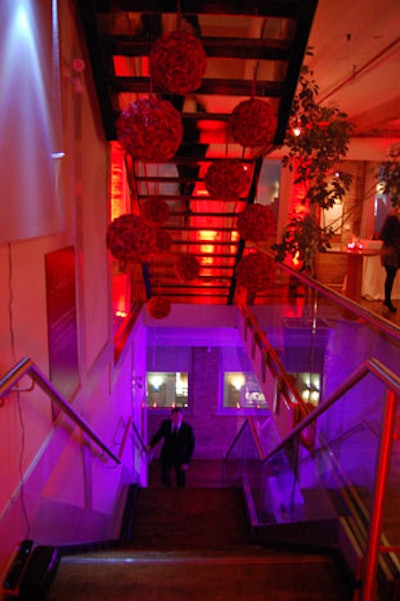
[{"x": 317, "y": 139}]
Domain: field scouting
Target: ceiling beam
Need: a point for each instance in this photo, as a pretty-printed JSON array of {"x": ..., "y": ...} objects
[
  {"x": 245, "y": 48},
  {"x": 220, "y": 87},
  {"x": 256, "y": 8}
]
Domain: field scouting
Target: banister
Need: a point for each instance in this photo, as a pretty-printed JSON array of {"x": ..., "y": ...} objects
[
  {"x": 369, "y": 366},
  {"x": 26, "y": 367},
  {"x": 256, "y": 437},
  {"x": 277, "y": 369},
  {"x": 139, "y": 436},
  {"x": 125, "y": 437},
  {"x": 16, "y": 373},
  {"x": 237, "y": 436},
  {"x": 381, "y": 323}
]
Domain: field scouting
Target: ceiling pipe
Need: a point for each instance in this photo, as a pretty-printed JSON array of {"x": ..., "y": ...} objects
[{"x": 358, "y": 72}]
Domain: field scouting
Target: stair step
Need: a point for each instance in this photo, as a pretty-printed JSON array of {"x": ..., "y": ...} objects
[
  {"x": 253, "y": 574},
  {"x": 189, "y": 518},
  {"x": 193, "y": 544}
]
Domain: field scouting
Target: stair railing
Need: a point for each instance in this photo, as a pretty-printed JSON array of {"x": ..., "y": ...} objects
[
  {"x": 376, "y": 542},
  {"x": 389, "y": 328},
  {"x": 139, "y": 440},
  {"x": 26, "y": 367},
  {"x": 288, "y": 398}
]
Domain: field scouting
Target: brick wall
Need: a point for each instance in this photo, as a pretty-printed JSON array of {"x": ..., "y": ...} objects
[{"x": 214, "y": 432}]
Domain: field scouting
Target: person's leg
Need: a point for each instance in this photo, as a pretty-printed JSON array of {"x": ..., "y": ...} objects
[
  {"x": 166, "y": 474},
  {"x": 390, "y": 275},
  {"x": 180, "y": 477}
]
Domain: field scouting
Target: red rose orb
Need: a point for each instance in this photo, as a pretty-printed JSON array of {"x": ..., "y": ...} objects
[
  {"x": 150, "y": 130},
  {"x": 227, "y": 179},
  {"x": 158, "y": 307},
  {"x": 253, "y": 123},
  {"x": 177, "y": 63},
  {"x": 256, "y": 223},
  {"x": 187, "y": 267},
  {"x": 155, "y": 211},
  {"x": 130, "y": 239},
  {"x": 255, "y": 272}
]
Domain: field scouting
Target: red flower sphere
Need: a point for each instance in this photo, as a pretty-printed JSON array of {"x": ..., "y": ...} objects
[
  {"x": 255, "y": 272},
  {"x": 158, "y": 307},
  {"x": 150, "y": 129},
  {"x": 187, "y": 267},
  {"x": 155, "y": 211},
  {"x": 227, "y": 180},
  {"x": 177, "y": 63},
  {"x": 255, "y": 223},
  {"x": 130, "y": 239},
  {"x": 253, "y": 123},
  {"x": 162, "y": 240}
]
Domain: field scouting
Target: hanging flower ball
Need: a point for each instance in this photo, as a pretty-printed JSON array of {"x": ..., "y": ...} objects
[
  {"x": 227, "y": 180},
  {"x": 255, "y": 272},
  {"x": 187, "y": 267},
  {"x": 253, "y": 123},
  {"x": 150, "y": 129},
  {"x": 255, "y": 223},
  {"x": 155, "y": 211},
  {"x": 130, "y": 239},
  {"x": 158, "y": 307},
  {"x": 177, "y": 62},
  {"x": 162, "y": 240}
]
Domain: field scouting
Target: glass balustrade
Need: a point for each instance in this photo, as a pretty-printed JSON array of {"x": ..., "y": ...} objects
[{"x": 344, "y": 364}]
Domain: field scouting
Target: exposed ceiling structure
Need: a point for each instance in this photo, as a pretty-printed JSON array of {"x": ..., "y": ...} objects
[
  {"x": 253, "y": 48},
  {"x": 356, "y": 62}
]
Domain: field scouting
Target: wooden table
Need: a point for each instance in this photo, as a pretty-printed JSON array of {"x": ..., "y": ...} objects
[
  {"x": 354, "y": 274},
  {"x": 374, "y": 274}
]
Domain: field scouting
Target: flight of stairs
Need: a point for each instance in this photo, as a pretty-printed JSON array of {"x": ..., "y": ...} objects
[{"x": 194, "y": 544}]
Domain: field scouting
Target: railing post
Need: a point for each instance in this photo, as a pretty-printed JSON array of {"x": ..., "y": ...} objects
[{"x": 368, "y": 585}]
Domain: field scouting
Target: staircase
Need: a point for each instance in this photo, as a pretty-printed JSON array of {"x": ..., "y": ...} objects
[{"x": 194, "y": 544}]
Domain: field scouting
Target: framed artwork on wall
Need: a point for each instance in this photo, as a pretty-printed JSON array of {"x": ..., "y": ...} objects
[{"x": 62, "y": 321}]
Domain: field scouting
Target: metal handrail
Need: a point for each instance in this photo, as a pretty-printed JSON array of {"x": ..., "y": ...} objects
[
  {"x": 237, "y": 436},
  {"x": 140, "y": 439},
  {"x": 381, "y": 323},
  {"x": 286, "y": 383},
  {"x": 26, "y": 367},
  {"x": 392, "y": 382},
  {"x": 125, "y": 437},
  {"x": 369, "y": 366}
]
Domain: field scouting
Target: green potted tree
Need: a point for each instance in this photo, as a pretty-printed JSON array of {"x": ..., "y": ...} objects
[{"x": 317, "y": 139}]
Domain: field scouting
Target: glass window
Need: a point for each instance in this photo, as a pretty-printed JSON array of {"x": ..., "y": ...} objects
[
  {"x": 242, "y": 391},
  {"x": 166, "y": 389}
]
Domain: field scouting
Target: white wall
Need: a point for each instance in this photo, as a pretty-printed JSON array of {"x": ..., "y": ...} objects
[{"x": 62, "y": 478}]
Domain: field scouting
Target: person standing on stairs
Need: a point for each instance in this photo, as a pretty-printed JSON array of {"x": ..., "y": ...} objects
[
  {"x": 177, "y": 449},
  {"x": 390, "y": 235}
]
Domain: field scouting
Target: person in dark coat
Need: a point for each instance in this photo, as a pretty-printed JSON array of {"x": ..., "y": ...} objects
[
  {"x": 177, "y": 449},
  {"x": 390, "y": 235}
]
